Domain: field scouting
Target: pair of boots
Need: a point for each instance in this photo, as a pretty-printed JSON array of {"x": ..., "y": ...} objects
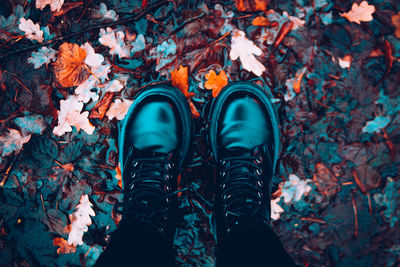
[{"x": 155, "y": 143}]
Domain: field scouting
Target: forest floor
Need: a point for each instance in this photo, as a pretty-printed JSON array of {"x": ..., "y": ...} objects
[{"x": 70, "y": 69}]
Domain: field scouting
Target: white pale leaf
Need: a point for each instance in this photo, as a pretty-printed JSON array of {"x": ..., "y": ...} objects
[{"x": 246, "y": 50}]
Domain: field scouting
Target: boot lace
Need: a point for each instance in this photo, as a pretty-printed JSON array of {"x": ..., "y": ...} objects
[
  {"x": 148, "y": 190},
  {"x": 241, "y": 188}
]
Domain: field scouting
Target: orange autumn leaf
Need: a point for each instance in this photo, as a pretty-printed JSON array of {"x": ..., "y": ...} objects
[
  {"x": 252, "y": 5},
  {"x": 179, "y": 79},
  {"x": 64, "y": 247},
  {"x": 215, "y": 82},
  {"x": 297, "y": 79},
  {"x": 261, "y": 21},
  {"x": 70, "y": 68},
  {"x": 396, "y": 23}
]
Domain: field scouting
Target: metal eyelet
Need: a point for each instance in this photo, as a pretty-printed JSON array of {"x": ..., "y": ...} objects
[
  {"x": 168, "y": 188},
  {"x": 170, "y": 165},
  {"x": 259, "y": 183},
  {"x": 222, "y": 173},
  {"x": 259, "y": 194},
  {"x": 258, "y": 171},
  {"x": 223, "y": 186},
  {"x": 259, "y": 159},
  {"x": 135, "y": 163}
]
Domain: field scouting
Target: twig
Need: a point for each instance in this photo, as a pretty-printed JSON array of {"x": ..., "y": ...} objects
[
  {"x": 5, "y": 177},
  {"x": 177, "y": 29},
  {"x": 94, "y": 27},
  {"x": 312, "y": 220},
  {"x": 369, "y": 203},
  {"x": 45, "y": 212},
  {"x": 18, "y": 80},
  {"x": 286, "y": 27},
  {"x": 84, "y": 11},
  {"x": 355, "y": 215}
]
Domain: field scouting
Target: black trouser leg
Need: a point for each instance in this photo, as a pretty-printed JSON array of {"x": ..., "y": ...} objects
[
  {"x": 137, "y": 244},
  {"x": 255, "y": 246}
]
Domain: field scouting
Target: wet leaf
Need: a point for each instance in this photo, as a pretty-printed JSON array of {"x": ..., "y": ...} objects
[
  {"x": 252, "y": 5},
  {"x": 64, "y": 247},
  {"x": 55, "y": 5},
  {"x": 80, "y": 220},
  {"x": 215, "y": 82},
  {"x": 359, "y": 13},
  {"x": 366, "y": 177},
  {"x": 70, "y": 68},
  {"x": 32, "y": 30},
  {"x": 246, "y": 50},
  {"x": 325, "y": 181}
]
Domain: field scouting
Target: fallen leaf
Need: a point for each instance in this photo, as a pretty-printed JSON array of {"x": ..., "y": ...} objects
[
  {"x": 55, "y": 5},
  {"x": 215, "y": 82},
  {"x": 70, "y": 68},
  {"x": 252, "y": 5},
  {"x": 164, "y": 53},
  {"x": 107, "y": 14},
  {"x": 294, "y": 189},
  {"x": 366, "y": 178},
  {"x": 115, "y": 41},
  {"x": 276, "y": 210},
  {"x": 119, "y": 109},
  {"x": 99, "y": 111},
  {"x": 80, "y": 220},
  {"x": 396, "y": 23},
  {"x": 43, "y": 56},
  {"x": 389, "y": 199},
  {"x": 113, "y": 86},
  {"x": 262, "y": 21},
  {"x": 67, "y": 7},
  {"x": 345, "y": 62},
  {"x": 179, "y": 79},
  {"x": 64, "y": 247},
  {"x": 92, "y": 59},
  {"x": 326, "y": 182},
  {"x": 12, "y": 140},
  {"x": 376, "y": 124},
  {"x": 32, "y": 30},
  {"x": 297, "y": 23},
  {"x": 358, "y": 13},
  {"x": 246, "y": 50},
  {"x": 31, "y": 124},
  {"x": 70, "y": 115},
  {"x": 297, "y": 79},
  {"x": 138, "y": 45}
]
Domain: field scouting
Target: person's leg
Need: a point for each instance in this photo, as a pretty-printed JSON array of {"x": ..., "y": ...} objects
[
  {"x": 245, "y": 141},
  {"x": 253, "y": 246},
  {"x": 154, "y": 143},
  {"x": 137, "y": 244}
]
